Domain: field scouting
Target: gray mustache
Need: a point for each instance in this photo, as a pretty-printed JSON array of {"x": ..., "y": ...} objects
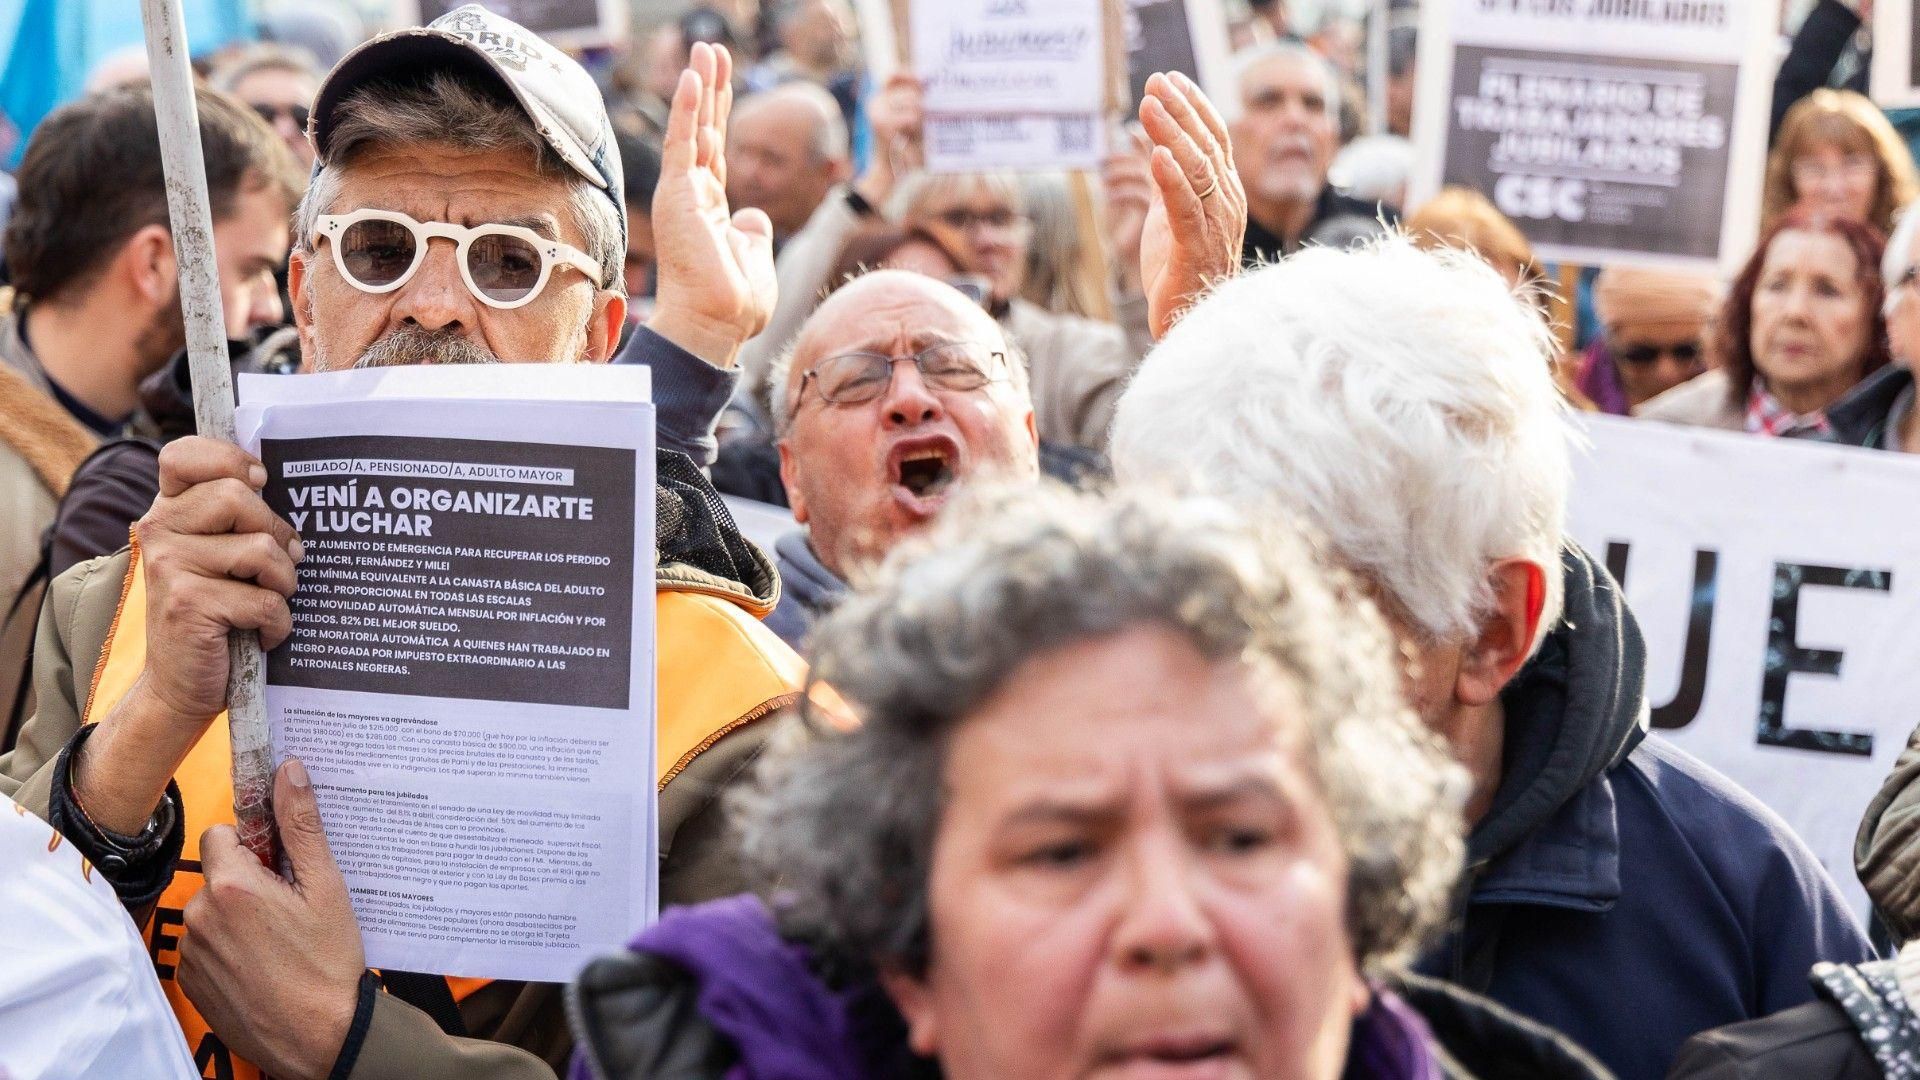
[{"x": 411, "y": 345}]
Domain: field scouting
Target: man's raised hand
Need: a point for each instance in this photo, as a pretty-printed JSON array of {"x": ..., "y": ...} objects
[
  {"x": 1126, "y": 180},
  {"x": 716, "y": 282},
  {"x": 1194, "y": 228}
]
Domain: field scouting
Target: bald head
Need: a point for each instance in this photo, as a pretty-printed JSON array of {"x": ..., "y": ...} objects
[
  {"x": 799, "y": 106},
  {"x": 872, "y": 313},
  {"x": 879, "y": 460},
  {"x": 786, "y": 149}
]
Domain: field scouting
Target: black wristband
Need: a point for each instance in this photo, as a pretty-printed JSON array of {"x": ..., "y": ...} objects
[
  {"x": 356, "y": 1031},
  {"x": 138, "y": 867}
]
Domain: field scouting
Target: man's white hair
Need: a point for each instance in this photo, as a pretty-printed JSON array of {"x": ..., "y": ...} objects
[
  {"x": 1245, "y": 62},
  {"x": 1398, "y": 401},
  {"x": 1897, "y": 257}
]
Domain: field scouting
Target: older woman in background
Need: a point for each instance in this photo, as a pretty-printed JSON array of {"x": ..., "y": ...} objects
[
  {"x": 1836, "y": 153},
  {"x": 1133, "y": 791},
  {"x": 1801, "y": 326},
  {"x": 1653, "y": 335}
]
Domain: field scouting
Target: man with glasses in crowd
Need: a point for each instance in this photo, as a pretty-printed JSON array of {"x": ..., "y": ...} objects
[
  {"x": 899, "y": 388},
  {"x": 278, "y": 83},
  {"x": 467, "y": 209},
  {"x": 1654, "y": 327}
]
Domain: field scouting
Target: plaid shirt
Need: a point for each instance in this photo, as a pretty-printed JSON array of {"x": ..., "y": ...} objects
[{"x": 1766, "y": 416}]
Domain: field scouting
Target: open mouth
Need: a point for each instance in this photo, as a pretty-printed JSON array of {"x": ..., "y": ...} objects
[
  {"x": 926, "y": 467},
  {"x": 926, "y": 473}
]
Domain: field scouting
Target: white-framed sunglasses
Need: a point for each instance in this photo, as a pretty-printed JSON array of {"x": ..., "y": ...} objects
[{"x": 504, "y": 266}]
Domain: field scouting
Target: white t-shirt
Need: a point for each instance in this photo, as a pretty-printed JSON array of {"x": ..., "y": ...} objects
[{"x": 78, "y": 997}]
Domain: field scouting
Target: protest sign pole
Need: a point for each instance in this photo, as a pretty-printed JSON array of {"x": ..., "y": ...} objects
[
  {"x": 1089, "y": 220},
  {"x": 1377, "y": 68},
  {"x": 191, "y": 222},
  {"x": 902, "y": 12},
  {"x": 1565, "y": 306}
]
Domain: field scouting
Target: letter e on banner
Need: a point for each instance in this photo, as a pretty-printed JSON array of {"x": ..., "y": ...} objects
[{"x": 1774, "y": 583}]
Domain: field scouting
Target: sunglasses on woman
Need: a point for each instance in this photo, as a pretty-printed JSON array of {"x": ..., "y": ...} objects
[
  {"x": 272, "y": 113},
  {"x": 1686, "y": 352},
  {"x": 504, "y": 266}
]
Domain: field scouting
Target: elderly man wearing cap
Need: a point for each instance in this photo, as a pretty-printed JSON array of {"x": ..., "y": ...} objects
[
  {"x": 1655, "y": 324},
  {"x": 474, "y": 132}
]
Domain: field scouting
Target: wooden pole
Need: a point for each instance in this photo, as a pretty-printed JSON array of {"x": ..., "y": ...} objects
[
  {"x": 1565, "y": 306},
  {"x": 1377, "y": 68},
  {"x": 1095, "y": 266},
  {"x": 192, "y": 225}
]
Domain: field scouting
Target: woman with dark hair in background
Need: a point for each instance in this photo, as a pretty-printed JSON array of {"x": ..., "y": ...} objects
[{"x": 1801, "y": 326}]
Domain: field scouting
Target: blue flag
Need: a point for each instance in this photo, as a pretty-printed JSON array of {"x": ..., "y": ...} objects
[{"x": 51, "y": 45}]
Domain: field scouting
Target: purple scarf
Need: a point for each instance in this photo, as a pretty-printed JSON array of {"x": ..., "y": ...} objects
[
  {"x": 759, "y": 991},
  {"x": 1390, "y": 1042},
  {"x": 1601, "y": 383}
]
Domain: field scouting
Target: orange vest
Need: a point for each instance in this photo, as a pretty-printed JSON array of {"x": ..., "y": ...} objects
[{"x": 717, "y": 669}]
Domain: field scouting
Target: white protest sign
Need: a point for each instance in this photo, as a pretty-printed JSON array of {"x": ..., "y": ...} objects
[
  {"x": 469, "y": 680},
  {"x": 1610, "y": 131},
  {"x": 1018, "y": 84},
  {"x": 1894, "y": 78},
  {"x": 1777, "y": 583}
]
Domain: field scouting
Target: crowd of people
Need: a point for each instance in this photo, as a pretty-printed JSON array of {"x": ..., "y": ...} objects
[{"x": 1179, "y": 663}]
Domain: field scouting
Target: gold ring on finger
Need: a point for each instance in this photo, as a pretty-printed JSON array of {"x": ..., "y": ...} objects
[{"x": 1213, "y": 185}]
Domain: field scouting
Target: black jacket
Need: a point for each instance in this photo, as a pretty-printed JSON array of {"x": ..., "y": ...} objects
[
  {"x": 1860, "y": 1027},
  {"x": 1618, "y": 890},
  {"x": 1335, "y": 218},
  {"x": 1823, "y": 39},
  {"x": 1861, "y": 418}
]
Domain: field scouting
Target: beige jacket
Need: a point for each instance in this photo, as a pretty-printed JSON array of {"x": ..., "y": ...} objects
[
  {"x": 1886, "y": 852},
  {"x": 1702, "y": 401},
  {"x": 1078, "y": 366},
  {"x": 40, "y": 446}
]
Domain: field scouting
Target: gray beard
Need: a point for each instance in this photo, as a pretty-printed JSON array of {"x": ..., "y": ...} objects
[{"x": 410, "y": 345}]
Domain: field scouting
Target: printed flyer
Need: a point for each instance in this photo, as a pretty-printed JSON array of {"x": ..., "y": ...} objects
[{"x": 470, "y": 676}]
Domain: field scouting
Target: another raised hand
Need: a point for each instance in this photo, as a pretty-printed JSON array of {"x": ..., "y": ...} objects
[
  {"x": 716, "y": 282},
  {"x": 1126, "y": 181},
  {"x": 1194, "y": 228},
  {"x": 899, "y": 149}
]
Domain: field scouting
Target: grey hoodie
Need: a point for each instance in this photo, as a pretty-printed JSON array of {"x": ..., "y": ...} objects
[{"x": 807, "y": 588}]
